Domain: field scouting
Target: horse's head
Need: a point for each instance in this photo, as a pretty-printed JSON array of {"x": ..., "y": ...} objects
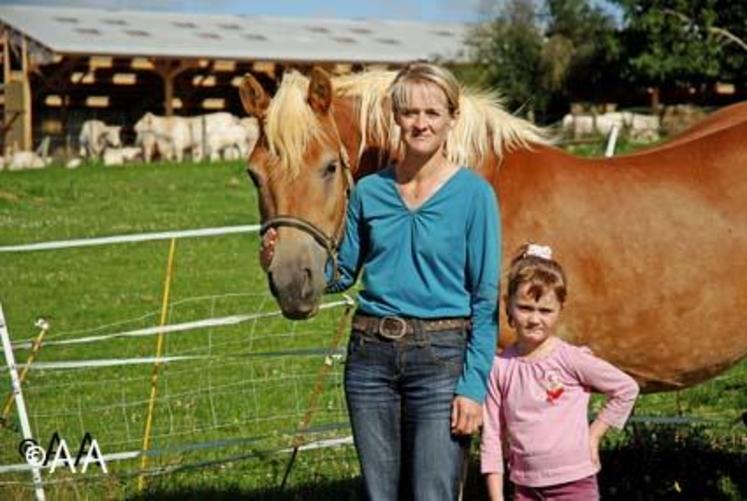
[{"x": 299, "y": 167}]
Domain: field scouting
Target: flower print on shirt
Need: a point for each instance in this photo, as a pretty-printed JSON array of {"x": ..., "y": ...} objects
[{"x": 553, "y": 387}]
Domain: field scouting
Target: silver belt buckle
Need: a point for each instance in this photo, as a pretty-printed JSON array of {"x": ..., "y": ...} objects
[{"x": 395, "y": 333}]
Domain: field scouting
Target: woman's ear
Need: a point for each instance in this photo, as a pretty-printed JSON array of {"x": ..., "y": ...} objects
[{"x": 453, "y": 118}]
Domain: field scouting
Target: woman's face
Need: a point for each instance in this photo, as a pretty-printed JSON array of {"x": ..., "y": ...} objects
[
  {"x": 534, "y": 319},
  {"x": 425, "y": 119}
]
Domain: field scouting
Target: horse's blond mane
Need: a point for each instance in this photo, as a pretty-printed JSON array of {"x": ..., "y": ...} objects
[{"x": 482, "y": 126}]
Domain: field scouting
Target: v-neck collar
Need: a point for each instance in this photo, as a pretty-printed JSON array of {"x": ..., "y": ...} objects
[{"x": 416, "y": 208}]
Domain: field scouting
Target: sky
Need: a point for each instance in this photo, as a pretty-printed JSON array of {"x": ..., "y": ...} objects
[{"x": 414, "y": 10}]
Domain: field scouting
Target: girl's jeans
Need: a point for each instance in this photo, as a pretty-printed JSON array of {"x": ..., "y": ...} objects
[{"x": 399, "y": 396}]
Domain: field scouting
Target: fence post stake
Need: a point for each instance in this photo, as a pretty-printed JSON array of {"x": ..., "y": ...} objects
[
  {"x": 44, "y": 326},
  {"x": 318, "y": 388},
  {"x": 154, "y": 376},
  {"x": 20, "y": 404},
  {"x": 612, "y": 141}
]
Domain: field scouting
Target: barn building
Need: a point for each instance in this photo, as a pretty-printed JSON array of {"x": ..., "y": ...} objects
[{"x": 62, "y": 66}]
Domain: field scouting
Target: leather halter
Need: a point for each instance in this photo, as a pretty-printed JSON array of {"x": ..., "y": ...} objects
[{"x": 330, "y": 243}]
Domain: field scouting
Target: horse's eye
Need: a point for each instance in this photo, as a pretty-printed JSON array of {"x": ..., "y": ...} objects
[
  {"x": 254, "y": 177},
  {"x": 330, "y": 169}
]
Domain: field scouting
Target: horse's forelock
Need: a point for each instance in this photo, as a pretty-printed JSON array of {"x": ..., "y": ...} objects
[{"x": 290, "y": 124}]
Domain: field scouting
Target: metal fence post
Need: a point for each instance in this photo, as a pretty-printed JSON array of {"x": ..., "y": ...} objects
[{"x": 20, "y": 404}]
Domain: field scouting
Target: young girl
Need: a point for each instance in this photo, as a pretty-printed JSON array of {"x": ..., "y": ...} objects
[{"x": 538, "y": 394}]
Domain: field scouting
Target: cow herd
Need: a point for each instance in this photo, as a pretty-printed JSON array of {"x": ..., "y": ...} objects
[
  {"x": 639, "y": 126},
  {"x": 221, "y": 135},
  {"x": 210, "y": 137},
  {"x": 213, "y": 136}
]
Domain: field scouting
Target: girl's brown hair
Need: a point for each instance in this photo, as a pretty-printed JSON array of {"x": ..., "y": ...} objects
[{"x": 542, "y": 273}]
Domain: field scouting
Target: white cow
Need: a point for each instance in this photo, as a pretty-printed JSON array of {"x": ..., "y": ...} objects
[
  {"x": 231, "y": 141},
  {"x": 169, "y": 136},
  {"x": 578, "y": 125},
  {"x": 119, "y": 156},
  {"x": 95, "y": 136},
  {"x": 73, "y": 163},
  {"x": 208, "y": 134},
  {"x": 644, "y": 127},
  {"x": 21, "y": 160},
  {"x": 234, "y": 142}
]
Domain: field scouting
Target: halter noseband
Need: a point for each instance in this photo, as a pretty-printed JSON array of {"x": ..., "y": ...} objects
[{"x": 330, "y": 243}]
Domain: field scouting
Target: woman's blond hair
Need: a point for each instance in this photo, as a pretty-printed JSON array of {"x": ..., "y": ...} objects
[{"x": 425, "y": 73}]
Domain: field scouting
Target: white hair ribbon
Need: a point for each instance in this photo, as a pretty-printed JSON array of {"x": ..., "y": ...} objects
[{"x": 542, "y": 251}]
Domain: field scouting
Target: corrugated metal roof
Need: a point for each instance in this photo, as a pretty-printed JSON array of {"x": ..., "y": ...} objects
[{"x": 67, "y": 30}]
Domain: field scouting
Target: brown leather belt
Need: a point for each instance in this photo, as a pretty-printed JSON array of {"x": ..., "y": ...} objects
[{"x": 394, "y": 328}]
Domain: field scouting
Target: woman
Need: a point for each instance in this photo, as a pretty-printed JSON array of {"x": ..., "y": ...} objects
[{"x": 425, "y": 234}]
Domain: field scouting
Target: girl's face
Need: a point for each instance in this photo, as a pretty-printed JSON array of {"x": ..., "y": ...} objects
[
  {"x": 534, "y": 320},
  {"x": 425, "y": 120}
]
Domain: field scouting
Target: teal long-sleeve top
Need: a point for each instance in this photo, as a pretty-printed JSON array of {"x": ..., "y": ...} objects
[{"x": 438, "y": 260}]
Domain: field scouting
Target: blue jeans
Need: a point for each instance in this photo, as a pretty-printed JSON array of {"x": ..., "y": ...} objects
[{"x": 399, "y": 396}]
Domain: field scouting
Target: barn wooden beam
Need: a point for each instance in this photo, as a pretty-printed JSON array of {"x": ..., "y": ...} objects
[
  {"x": 6, "y": 57},
  {"x": 17, "y": 94},
  {"x": 168, "y": 70},
  {"x": 26, "y": 143},
  {"x": 59, "y": 80}
]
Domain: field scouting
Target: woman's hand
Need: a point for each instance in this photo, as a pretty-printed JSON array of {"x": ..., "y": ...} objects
[
  {"x": 267, "y": 248},
  {"x": 466, "y": 416}
]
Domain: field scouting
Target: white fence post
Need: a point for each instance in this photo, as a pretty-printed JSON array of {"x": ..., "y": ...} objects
[
  {"x": 20, "y": 404},
  {"x": 612, "y": 141}
]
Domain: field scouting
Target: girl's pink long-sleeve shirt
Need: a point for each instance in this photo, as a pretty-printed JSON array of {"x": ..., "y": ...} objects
[{"x": 541, "y": 406}]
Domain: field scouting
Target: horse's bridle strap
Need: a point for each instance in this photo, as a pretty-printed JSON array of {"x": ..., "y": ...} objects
[
  {"x": 301, "y": 224},
  {"x": 330, "y": 244}
]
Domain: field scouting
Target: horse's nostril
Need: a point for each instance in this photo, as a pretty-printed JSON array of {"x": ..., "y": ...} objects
[
  {"x": 306, "y": 288},
  {"x": 271, "y": 283}
]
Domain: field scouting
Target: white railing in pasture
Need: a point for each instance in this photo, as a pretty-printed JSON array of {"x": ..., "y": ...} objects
[{"x": 191, "y": 364}]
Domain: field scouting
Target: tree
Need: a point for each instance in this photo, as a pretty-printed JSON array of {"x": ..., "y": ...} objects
[
  {"x": 594, "y": 62},
  {"x": 509, "y": 49},
  {"x": 729, "y": 30},
  {"x": 540, "y": 56},
  {"x": 665, "y": 51}
]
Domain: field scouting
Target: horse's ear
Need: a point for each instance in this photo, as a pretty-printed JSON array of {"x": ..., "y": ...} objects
[
  {"x": 320, "y": 90},
  {"x": 253, "y": 96}
]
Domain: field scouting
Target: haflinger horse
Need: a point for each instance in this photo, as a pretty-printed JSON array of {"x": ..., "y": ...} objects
[{"x": 654, "y": 243}]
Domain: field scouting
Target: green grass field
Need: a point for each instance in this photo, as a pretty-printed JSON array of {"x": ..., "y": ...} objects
[{"x": 249, "y": 388}]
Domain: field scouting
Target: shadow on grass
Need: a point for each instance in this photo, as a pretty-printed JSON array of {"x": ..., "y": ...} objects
[
  {"x": 670, "y": 462},
  {"x": 651, "y": 463}
]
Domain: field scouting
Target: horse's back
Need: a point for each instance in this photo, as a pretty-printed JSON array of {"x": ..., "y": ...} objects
[{"x": 654, "y": 245}]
